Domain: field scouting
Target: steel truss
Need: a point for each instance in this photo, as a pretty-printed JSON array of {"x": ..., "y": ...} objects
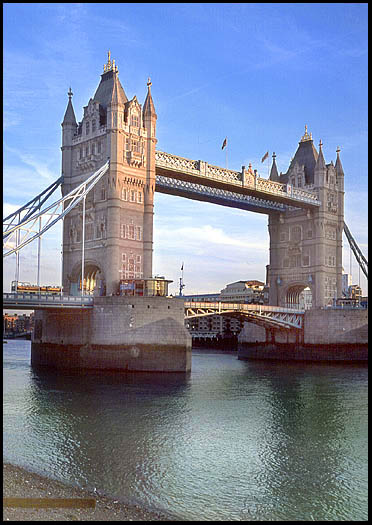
[
  {"x": 270, "y": 316},
  {"x": 197, "y": 191},
  {"x": 17, "y": 230}
]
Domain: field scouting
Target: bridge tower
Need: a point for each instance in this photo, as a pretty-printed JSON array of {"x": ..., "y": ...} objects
[
  {"x": 119, "y": 210},
  {"x": 306, "y": 245}
]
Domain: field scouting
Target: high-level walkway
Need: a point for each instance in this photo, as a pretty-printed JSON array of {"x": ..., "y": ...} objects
[{"x": 198, "y": 180}]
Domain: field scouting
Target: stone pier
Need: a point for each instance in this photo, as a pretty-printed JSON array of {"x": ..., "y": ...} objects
[
  {"x": 328, "y": 335},
  {"x": 118, "y": 333}
]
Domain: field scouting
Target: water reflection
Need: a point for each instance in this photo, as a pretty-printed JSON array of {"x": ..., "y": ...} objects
[
  {"x": 234, "y": 440},
  {"x": 308, "y": 438},
  {"x": 106, "y": 427}
]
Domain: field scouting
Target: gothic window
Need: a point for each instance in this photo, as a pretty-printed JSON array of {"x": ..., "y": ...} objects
[
  {"x": 124, "y": 194},
  {"x": 87, "y": 128},
  {"x": 103, "y": 193},
  {"x": 99, "y": 147},
  {"x": 127, "y": 144},
  {"x": 134, "y": 120},
  {"x": 299, "y": 182},
  {"x": 138, "y": 267},
  {"x": 283, "y": 236},
  {"x": 309, "y": 234},
  {"x": 293, "y": 181},
  {"x": 138, "y": 233},
  {"x": 123, "y": 257},
  {"x": 89, "y": 231},
  {"x": 131, "y": 231},
  {"x": 306, "y": 260},
  {"x": 93, "y": 148},
  {"x": 295, "y": 260},
  {"x": 122, "y": 231},
  {"x": 136, "y": 146},
  {"x": 80, "y": 153},
  {"x": 139, "y": 196},
  {"x": 93, "y": 125},
  {"x": 132, "y": 196},
  {"x": 296, "y": 233}
]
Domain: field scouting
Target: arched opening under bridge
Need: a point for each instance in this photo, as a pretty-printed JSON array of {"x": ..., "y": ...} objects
[
  {"x": 94, "y": 280},
  {"x": 299, "y": 296}
]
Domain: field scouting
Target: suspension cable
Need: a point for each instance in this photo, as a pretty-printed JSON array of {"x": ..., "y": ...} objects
[
  {"x": 362, "y": 261},
  {"x": 75, "y": 197}
]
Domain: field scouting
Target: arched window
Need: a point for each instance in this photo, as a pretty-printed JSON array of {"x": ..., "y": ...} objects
[
  {"x": 296, "y": 233},
  {"x": 134, "y": 120}
]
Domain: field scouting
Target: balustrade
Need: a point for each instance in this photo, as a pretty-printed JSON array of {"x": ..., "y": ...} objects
[{"x": 236, "y": 178}]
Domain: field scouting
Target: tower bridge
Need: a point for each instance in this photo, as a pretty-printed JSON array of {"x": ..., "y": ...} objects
[{"x": 110, "y": 172}]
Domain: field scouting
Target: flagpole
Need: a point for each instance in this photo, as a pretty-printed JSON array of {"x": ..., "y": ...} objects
[{"x": 226, "y": 152}]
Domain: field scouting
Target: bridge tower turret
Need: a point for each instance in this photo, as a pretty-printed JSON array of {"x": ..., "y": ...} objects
[
  {"x": 119, "y": 210},
  {"x": 69, "y": 128},
  {"x": 149, "y": 123},
  {"x": 306, "y": 245}
]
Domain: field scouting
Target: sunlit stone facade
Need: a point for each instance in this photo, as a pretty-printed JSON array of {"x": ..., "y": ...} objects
[
  {"x": 306, "y": 245},
  {"x": 119, "y": 211}
]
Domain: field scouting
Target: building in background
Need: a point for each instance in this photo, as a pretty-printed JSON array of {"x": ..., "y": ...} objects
[
  {"x": 216, "y": 327},
  {"x": 17, "y": 324},
  {"x": 346, "y": 283}
]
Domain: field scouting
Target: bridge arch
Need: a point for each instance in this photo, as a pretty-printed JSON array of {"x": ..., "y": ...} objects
[
  {"x": 293, "y": 296},
  {"x": 94, "y": 279}
]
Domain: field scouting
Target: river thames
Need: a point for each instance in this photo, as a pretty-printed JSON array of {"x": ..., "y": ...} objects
[{"x": 234, "y": 440}]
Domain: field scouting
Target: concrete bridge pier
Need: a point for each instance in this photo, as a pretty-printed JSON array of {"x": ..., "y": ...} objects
[
  {"x": 119, "y": 333},
  {"x": 328, "y": 335}
]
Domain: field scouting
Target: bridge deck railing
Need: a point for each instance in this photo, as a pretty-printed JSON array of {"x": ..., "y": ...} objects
[
  {"x": 46, "y": 299},
  {"x": 243, "y": 179},
  {"x": 243, "y": 307}
]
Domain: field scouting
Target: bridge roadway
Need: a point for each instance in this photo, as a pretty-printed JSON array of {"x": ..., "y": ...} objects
[
  {"x": 198, "y": 180},
  {"x": 270, "y": 316},
  {"x": 24, "y": 301}
]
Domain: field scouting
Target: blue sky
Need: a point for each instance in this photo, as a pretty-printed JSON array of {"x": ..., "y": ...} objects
[{"x": 256, "y": 73}]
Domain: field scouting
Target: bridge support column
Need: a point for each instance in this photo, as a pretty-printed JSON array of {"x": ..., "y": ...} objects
[
  {"x": 118, "y": 333},
  {"x": 328, "y": 335}
]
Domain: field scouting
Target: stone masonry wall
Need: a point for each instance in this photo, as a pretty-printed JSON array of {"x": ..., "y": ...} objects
[
  {"x": 118, "y": 333},
  {"x": 326, "y": 326}
]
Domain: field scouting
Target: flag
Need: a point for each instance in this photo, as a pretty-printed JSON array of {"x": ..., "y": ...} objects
[
  {"x": 224, "y": 143},
  {"x": 182, "y": 267},
  {"x": 265, "y": 156}
]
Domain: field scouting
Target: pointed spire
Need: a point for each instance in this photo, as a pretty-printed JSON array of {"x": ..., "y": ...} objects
[
  {"x": 338, "y": 165},
  {"x": 306, "y": 136},
  {"x": 274, "y": 176},
  {"x": 69, "y": 117},
  {"x": 110, "y": 90},
  {"x": 320, "y": 163},
  {"x": 117, "y": 93},
  {"x": 148, "y": 107}
]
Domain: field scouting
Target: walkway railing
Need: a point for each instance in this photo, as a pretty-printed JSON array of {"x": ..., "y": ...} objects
[
  {"x": 24, "y": 301},
  {"x": 167, "y": 164},
  {"x": 275, "y": 316}
]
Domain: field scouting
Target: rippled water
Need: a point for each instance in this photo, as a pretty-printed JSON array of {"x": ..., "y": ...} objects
[{"x": 235, "y": 440}]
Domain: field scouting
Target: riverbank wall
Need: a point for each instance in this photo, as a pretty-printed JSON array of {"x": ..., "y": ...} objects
[
  {"x": 327, "y": 335},
  {"x": 118, "y": 333}
]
